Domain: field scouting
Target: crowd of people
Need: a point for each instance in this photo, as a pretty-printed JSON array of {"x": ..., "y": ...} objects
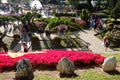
[
  {"x": 96, "y": 23},
  {"x": 8, "y": 8}
]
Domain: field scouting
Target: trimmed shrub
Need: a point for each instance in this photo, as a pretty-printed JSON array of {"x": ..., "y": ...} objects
[
  {"x": 16, "y": 36},
  {"x": 57, "y": 40},
  {"x": 34, "y": 39}
]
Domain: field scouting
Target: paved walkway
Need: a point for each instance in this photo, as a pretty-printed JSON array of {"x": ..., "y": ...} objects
[{"x": 93, "y": 42}]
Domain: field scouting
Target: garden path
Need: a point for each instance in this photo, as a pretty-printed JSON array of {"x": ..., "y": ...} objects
[{"x": 93, "y": 42}]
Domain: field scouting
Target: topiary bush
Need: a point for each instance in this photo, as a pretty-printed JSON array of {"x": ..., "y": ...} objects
[
  {"x": 114, "y": 35},
  {"x": 35, "y": 42},
  {"x": 34, "y": 39},
  {"x": 57, "y": 40},
  {"x": 85, "y": 15},
  {"x": 16, "y": 36}
]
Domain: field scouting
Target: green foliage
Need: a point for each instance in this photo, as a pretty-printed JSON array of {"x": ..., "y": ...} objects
[
  {"x": 73, "y": 3},
  {"x": 37, "y": 15},
  {"x": 2, "y": 17},
  {"x": 106, "y": 11},
  {"x": 112, "y": 4},
  {"x": 10, "y": 18},
  {"x": 27, "y": 16},
  {"x": 53, "y": 22},
  {"x": 42, "y": 20},
  {"x": 117, "y": 56},
  {"x": 88, "y": 74},
  {"x": 1, "y": 21},
  {"x": 108, "y": 20},
  {"x": 114, "y": 8},
  {"x": 85, "y": 15},
  {"x": 115, "y": 13}
]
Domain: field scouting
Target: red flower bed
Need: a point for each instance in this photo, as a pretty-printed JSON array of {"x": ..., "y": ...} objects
[{"x": 51, "y": 58}]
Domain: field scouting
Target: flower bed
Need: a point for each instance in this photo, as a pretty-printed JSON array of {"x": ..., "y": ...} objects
[{"x": 51, "y": 58}]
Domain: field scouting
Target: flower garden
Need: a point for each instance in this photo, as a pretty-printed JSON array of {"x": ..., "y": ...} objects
[{"x": 49, "y": 59}]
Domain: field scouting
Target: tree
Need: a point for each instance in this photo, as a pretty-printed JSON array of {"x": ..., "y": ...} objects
[
  {"x": 112, "y": 4},
  {"x": 85, "y": 15},
  {"x": 90, "y": 5},
  {"x": 73, "y": 3},
  {"x": 115, "y": 13}
]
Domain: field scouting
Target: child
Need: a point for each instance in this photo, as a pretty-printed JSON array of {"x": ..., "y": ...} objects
[{"x": 25, "y": 48}]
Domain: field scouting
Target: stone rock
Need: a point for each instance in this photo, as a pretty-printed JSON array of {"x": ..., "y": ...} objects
[
  {"x": 65, "y": 66},
  {"x": 24, "y": 70},
  {"x": 109, "y": 64}
]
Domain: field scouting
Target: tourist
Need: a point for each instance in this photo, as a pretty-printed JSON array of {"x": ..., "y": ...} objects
[
  {"x": 96, "y": 24},
  {"x": 25, "y": 48},
  {"x": 101, "y": 24},
  {"x": 65, "y": 28},
  {"x": 92, "y": 23},
  {"x": 59, "y": 29},
  {"x": 1, "y": 36},
  {"x": 14, "y": 28},
  {"x": 106, "y": 43}
]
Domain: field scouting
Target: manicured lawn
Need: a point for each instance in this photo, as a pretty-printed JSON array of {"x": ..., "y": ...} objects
[
  {"x": 87, "y": 75},
  {"x": 116, "y": 55},
  {"x": 1, "y": 78}
]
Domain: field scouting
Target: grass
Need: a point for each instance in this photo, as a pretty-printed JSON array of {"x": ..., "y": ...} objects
[
  {"x": 116, "y": 55},
  {"x": 1, "y": 78},
  {"x": 87, "y": 75}
]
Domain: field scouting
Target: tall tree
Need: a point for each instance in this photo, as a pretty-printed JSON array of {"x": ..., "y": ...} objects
[
  {"x": 90, "y": 4},
  {"x": 112, "y": 4},
  {"x": 115, "y": 12},
  {"x": 73, "y": 3}
]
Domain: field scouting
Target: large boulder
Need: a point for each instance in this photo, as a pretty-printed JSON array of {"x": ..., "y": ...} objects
[
  {"x": 109, "y": 64},
  {"x": 65, "y": 66},
  {"x": 24, "y": 70}
]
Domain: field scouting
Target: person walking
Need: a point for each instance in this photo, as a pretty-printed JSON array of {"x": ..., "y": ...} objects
[{"x": 106, "y": 43}]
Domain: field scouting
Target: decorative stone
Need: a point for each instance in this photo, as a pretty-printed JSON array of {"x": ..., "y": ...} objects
[
  {"x": 109, "y": 64},
  {"x": 24, "y": 70},
  {"x": 65, "y": 66}
]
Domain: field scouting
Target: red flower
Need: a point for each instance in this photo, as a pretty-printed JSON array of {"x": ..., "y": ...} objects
[{"x": 51, "y": 58}]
